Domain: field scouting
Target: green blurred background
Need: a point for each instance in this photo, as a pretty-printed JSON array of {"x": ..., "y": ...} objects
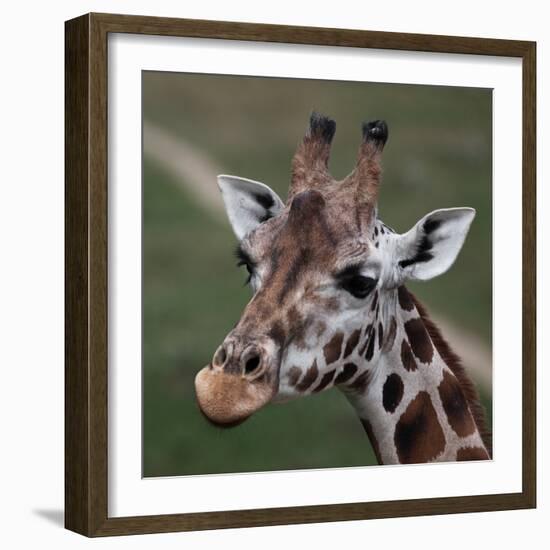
[{"x": 438, "y": 155}]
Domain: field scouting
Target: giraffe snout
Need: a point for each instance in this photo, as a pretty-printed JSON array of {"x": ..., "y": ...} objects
[{"x": 237, "y": 382}]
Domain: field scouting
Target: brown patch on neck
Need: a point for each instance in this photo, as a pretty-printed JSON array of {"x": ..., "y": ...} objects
[
  {"x": 405, "y": 300},
  {"x": 392, "y": 392},
  {"x": 454, "y": 363},
  {"x": 407, "y": 358},
  {"x": 419, "y": 340},
  {"x": 418, "y": 434},
  {"x": 455, "y": 405}
]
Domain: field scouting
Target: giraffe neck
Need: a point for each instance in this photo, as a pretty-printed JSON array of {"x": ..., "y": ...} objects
[{"x": 410, "y": 392}]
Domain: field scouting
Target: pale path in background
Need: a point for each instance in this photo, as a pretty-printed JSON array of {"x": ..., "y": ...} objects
[
  {"x": 189, "y": 166},
  {"x": 196, "y": 171}
]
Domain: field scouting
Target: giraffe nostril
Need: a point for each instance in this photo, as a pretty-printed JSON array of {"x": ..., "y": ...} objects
[
  {"x": 252, "y": 364},
  {"x": 219, "y": 357}
]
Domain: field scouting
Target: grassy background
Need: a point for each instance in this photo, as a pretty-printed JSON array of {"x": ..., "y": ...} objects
[{"x": 438, "y": 155}]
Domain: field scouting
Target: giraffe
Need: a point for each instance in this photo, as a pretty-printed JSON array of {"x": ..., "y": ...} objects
[{"x": 330, "y": 308}]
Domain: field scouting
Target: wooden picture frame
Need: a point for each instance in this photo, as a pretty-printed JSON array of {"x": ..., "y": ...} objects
[{"x": 86, "y": 284}]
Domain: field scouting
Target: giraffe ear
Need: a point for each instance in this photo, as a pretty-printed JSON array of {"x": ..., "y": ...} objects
[
  {"x": 432, "y": 245},
  {"x": 248, "y": 203}
]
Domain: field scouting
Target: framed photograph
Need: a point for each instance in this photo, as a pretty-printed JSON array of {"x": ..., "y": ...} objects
[{"x": 300, "y": 275}]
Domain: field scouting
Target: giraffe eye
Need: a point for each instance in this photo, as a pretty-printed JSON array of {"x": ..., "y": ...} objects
[
  {"x": 359, "y": 285},
  {"x": 249, "y": 269},
  {"x": 244, "y": 259}
]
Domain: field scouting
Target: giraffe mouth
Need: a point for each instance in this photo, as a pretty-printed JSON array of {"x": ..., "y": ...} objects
[
  {"x": 224, "y": 425},
  {"x": 227, "y": 399}
]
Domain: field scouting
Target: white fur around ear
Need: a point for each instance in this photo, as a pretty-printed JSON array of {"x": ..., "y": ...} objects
[
  {"x": 432, "y": 245},
  {"x": 248, "y": 203}
]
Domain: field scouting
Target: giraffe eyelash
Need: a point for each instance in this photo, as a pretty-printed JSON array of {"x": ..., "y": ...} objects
[
  {"x": 244, "y": 259},
  {"x": 359, "y": 285},
  {"x": 353, "y": 281}
]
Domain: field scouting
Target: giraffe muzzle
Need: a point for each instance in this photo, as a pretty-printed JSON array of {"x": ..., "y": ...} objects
[{"x": 237, "y": 383}]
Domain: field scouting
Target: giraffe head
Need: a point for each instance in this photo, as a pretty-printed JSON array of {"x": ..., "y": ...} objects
[{"x": 318, "y": 266}]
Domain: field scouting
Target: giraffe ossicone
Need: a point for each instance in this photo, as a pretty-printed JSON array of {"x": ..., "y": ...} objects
[{"x": 329, "y": 308}]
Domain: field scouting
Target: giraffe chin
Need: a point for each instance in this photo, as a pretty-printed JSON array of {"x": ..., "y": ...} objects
[{"x": 227, "y": 400}]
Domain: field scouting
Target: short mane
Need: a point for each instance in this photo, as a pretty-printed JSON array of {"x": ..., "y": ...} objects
[{"x": 455, "y": 364}]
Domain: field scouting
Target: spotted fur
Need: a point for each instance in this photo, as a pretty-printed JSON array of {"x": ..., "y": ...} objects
[
  {"x": 418, "y": 434},
  {"x": 454, "y": 363},
  {"x": 352, "y": 342},
  {"x": 309, "y": 377},
  {"x": 419, "y": 340},
  {"x": 346, "y": 373},
  {"x": 407, "y": 358},
  {"x": 392, "y": 392}
]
